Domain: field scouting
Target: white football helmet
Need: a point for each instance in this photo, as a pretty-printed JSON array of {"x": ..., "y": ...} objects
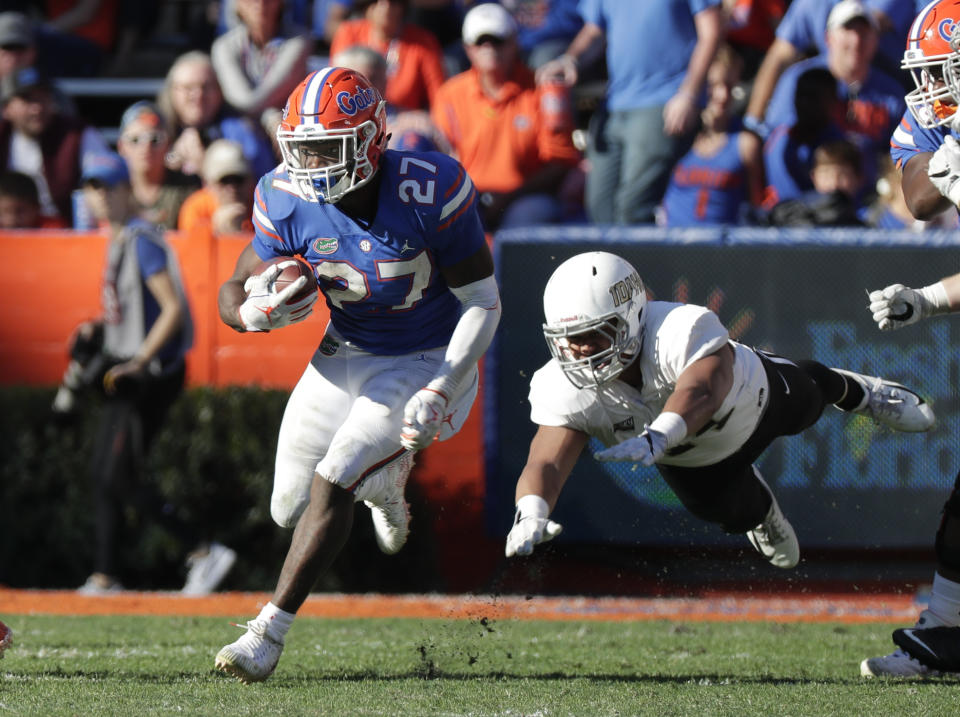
[{"x": 601, "y": 292}]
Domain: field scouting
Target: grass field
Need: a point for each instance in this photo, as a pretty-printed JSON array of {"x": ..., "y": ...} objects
[{"x": 139, "y": 665}]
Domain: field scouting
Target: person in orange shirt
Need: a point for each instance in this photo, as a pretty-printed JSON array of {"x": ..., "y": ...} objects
[
  {"x": 225, "y": 203},
  {"x": 414, "y": 57},
  {"x": 513, "y": 137}
]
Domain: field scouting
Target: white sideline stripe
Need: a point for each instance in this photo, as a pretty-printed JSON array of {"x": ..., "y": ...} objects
[{"x": 454, "y": 204}]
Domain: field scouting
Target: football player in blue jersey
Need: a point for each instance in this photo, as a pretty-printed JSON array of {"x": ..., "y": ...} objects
[
  {"x": 926, "y": 150},
  {"x": 400, "y": 256}
]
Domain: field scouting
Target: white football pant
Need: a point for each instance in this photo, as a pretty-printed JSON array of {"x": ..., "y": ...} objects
[{"x": 343, "y": 421}]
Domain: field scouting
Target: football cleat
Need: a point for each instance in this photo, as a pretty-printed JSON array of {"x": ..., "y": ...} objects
[
  {"x": 253, "y": 657},
  {"x": 774, "y": 538},
  {"x": 937, "y": 648},
  {"x": 6, "y": 638},
  {"x": 207, "y": 570},
  {"x": 892, "y": 404},
  {"x": 898, "y": 663},
  {"x": 391, "y": 512}
]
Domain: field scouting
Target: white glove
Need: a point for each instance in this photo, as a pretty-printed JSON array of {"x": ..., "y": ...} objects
[
  {"x": 647, "y": 448},
  {"x": 422, "y": 418},
  {"x": 531, "y": 526},
  {"x": 897, "y": 305},
  {"x": 944, "y": 169},
  {"x": 265, "y": 308}
]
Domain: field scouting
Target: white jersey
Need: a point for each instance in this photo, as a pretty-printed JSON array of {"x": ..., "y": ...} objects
[{"x": 675, "y": 336}]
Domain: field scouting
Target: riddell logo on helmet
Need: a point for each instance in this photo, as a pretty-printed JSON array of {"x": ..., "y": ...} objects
[{"x": 350, "y": 104}]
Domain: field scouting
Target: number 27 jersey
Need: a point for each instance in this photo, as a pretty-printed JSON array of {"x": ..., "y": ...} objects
[{"x": 382, "y": 281}]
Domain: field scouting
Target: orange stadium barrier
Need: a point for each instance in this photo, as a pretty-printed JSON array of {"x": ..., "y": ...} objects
[{"x": 57, "y": 274}]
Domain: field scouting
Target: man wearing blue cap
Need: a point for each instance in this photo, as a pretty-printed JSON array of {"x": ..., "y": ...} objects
[{"x": 135, "y": 354}]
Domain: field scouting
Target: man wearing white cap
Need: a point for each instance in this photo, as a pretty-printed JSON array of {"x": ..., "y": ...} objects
[
  {"x": 225, "y": 203},
  {"x": 513, "y": 137}
]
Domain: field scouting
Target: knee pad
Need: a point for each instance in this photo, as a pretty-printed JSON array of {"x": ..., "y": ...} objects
[{"x": 948, "y": 534}]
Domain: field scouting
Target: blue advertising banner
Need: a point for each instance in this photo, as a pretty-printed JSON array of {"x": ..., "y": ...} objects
[{"x": 845, "y": 482}]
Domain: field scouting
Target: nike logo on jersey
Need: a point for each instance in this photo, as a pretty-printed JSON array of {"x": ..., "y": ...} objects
[{"x": 626, "y": 425}]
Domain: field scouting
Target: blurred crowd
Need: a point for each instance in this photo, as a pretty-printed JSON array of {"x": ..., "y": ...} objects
[{"x": 729, "y": 112}]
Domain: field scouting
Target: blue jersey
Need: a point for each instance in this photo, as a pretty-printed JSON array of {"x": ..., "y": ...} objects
[
  {"x": 910, "y": 139},
  {"x": 707, "y": 190},
  {"x": 382, "y": 282}
]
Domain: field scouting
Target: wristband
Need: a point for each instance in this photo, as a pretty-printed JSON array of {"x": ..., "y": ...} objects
[
  {"x": 672, "y": 426},
  {"x": 532, "y": 506},
  {"x": 757, "y": 126},
  {"x": 936, "y": 297}
]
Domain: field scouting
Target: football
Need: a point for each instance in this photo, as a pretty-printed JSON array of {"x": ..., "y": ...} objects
[{"x": 290, "y": 274}]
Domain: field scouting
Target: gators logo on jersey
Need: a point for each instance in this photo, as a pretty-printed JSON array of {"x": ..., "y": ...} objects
[{"x": 325, "y": 245}]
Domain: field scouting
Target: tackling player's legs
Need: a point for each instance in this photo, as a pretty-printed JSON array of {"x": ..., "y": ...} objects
[{"x": 944, "y": 607}]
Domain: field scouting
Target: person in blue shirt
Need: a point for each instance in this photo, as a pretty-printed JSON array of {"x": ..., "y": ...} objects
[
  {"x": 925, "y": 148},
  {"x": 653, "y": 97},
  {"x": 396, "y": 245},
  {"x": 722, "y": 174},
  {"x": 872, "y": 100}
]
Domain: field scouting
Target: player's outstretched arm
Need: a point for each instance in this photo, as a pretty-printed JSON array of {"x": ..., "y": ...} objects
[
  {"x": 897, "y": 305},
  {"x": 698, "y": 395},
  {"x": 553, "y": 453},
  {"x": 473, "y": 283}
]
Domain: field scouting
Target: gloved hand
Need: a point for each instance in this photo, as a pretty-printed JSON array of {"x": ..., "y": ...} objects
[
  {"x": 944, "y": 169},
  {"x": 531, "y": 526},
  {"x": 422, "y": 417},
  {"x": 647, "y": 448},
  {"x": 265, "y": 308},
  {"x": 897, "y": 306}
]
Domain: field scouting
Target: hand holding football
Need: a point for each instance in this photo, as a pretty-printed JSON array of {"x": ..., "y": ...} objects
[{"x": 291, "y": 269}]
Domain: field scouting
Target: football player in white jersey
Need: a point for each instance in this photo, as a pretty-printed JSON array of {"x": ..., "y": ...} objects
[
  {"x": 400, "y": 256},
  {"x": 662, "y": 383},
  {"x": 925, "y": 148}
]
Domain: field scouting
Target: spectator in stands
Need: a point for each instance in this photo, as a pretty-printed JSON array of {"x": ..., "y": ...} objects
[
  {"x": 788, "y": 153},
  {"x": 143, "y": 144},
  {"x": 36, "y": 138},
  {"x": 327, "y": 16},
  {"x": 409, "y": 129},
  {"x": 195, "y": 115},
  {"x": 20, "y": 204},
  {"x": 77, "y": 36},
  {"x": 225, "y": 203},
  {"x": 750, "y": 29},
  {"x": 652, "y": 100},
  {"x": 258, "y": 63},
  {"x": 873, "y": 101},
  {"x": 513, "y": 138},
  {"x": 803, "y": 33},
  {"x": 544, "y": 28},
  {"x": 722, "y": 174},
  {"x": 18, "y": 47},
  {"x": 837, "y": 178},
  {"x": 414, "y": 58},
  {"x": 135, "y": 354}
]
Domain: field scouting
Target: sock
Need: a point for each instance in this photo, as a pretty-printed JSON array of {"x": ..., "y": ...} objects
[
  {"x": 945, "y": 600},
  {"x": 854, "y": 398},
  {"x": 279, "y": 621}
]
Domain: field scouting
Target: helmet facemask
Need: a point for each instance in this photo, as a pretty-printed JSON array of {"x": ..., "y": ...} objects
[
  {"x": 327, "y": 164},
  {"x": 936, "y": 78},
  {"x": 603, "y": 366}
]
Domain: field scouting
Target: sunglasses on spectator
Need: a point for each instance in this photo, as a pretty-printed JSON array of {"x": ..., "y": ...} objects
[
  {"x": 235, "y": 180},
  {"x": 154, "y": 139},
  {"x": 491, "y": 40}
]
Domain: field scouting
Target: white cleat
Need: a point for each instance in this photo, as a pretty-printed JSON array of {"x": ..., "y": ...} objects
[
  {"x": 892, "y": 404},
  {"x": 391, "y": 512},
  {"x": 253, "y": 657},
  {"x": 774, "y": 538},
  {"x": 208, "y": 570},
  {"x": 6, "y": 638},
  {"x": 898, "y": 663}
]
